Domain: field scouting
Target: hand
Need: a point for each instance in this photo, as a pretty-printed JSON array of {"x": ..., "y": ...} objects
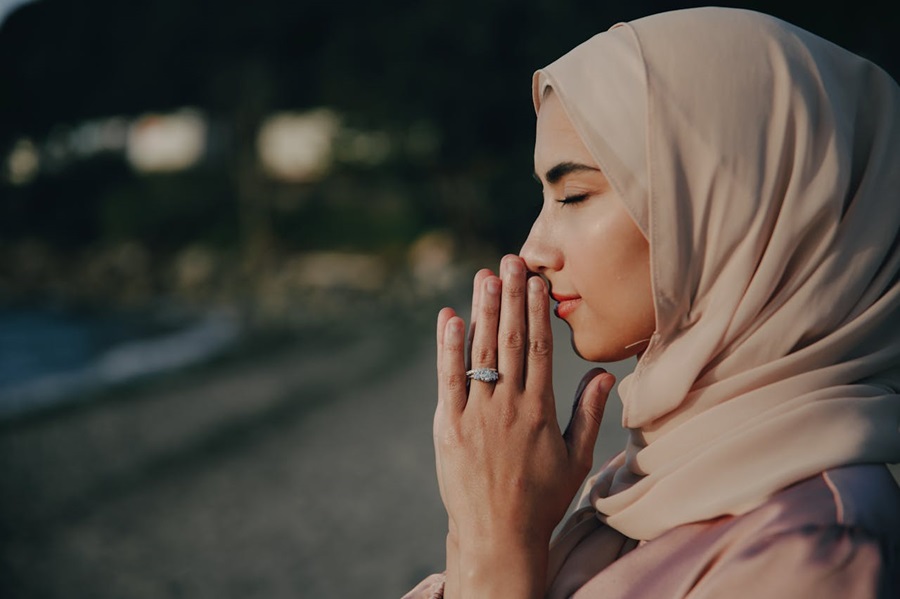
[{"x": 506, "y": 471}]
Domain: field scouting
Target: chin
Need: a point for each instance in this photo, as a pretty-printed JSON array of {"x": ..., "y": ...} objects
[{"x": 605, "y": 354}]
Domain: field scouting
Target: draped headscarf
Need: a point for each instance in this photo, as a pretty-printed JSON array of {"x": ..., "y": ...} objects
[{"x": 762, "y": 163}]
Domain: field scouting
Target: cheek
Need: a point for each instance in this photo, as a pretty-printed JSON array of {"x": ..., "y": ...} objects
[
  {"x": 612, "y": 251},
  {"x": 615, "y": 276}
]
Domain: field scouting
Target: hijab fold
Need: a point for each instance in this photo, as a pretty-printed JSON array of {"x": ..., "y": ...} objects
[{"x": 763, "y": 165}]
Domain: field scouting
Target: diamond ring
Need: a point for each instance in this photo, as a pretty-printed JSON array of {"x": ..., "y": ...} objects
[{"x": 485, "y": 375}]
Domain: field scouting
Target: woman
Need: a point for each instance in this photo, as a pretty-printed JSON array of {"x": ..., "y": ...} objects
[{"x": 720, "y": 199}]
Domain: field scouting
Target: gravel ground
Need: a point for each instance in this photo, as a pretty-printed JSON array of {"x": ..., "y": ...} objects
[{"x": 303, "y": 474}]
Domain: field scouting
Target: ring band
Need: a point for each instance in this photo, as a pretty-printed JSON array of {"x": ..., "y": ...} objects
[{"x": 485, "y": 375}]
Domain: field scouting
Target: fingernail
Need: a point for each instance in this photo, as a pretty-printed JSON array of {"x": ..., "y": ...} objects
[
  {"x": 493, "y": 286},
  {"x": 535, "y": 285},
  {"x": 455, "y": 329},
  {"x": 514, "y": 266},
  {"x": 607, "y": 383}
]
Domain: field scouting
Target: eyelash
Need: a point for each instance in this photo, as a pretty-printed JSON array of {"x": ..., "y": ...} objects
[{"x": 573, "y": 199}]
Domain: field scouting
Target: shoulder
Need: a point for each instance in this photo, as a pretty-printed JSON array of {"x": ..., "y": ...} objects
[
  {"x": 836, "y": 534},
  {"x": 863, "y": 496}
]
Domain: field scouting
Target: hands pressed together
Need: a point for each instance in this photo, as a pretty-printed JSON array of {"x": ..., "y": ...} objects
[{"x": 506, "y": 472}]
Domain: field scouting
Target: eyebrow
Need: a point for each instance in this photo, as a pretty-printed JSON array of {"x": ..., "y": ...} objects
[{"x": 555, "y": 174}]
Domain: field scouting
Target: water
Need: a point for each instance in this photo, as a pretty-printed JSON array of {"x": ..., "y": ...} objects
[{"x": 49, "y": 356}]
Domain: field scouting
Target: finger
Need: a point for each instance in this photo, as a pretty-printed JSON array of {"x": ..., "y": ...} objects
[
  {"x": 477, "y": 286},
  {"x": 511, "y": 336},
  {"x": 443, "y": 316},
  {"x": 484, "y": 343},
  {"x": 453, "y": 366},
  {"x": 539, "y": 360},
  {"x": 581, "y": 434}
]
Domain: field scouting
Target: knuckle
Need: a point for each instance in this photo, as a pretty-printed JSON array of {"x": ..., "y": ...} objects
[
  {"x": 514, "y": 289},
  {"x": 452, "y": 346},
  {"x": 490, "y": 308},
  {"x": 446, "y": 437},
  {"x": 540, "y": 347},
  {"x": 593, "y": 414},
  {"x": 456, "y": 381},
  {"x": 484, "y": 355},
  {"x": 539, "y": 420},
  {"x": 508, "y": 416},
  {"x": 513, "y": 339}
]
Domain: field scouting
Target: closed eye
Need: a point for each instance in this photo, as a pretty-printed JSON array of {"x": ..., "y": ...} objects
[{"x": 573, "y": 199}]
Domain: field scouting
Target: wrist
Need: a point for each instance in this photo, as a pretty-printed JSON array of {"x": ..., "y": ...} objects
[
  {"x": 451, "y": 574},
  {"x": 502, "y": 570}
]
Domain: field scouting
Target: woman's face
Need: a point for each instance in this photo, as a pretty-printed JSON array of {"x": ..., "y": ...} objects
[{"x": 586, "y": 245}]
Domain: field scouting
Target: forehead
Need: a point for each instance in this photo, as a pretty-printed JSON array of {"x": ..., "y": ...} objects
[{"x": 555, "y": 137}]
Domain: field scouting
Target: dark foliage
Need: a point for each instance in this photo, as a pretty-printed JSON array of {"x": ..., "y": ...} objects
[{"x": 464, "y": 67}]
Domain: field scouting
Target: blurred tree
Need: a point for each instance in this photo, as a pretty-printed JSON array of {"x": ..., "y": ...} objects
[{"x": 462, "y": 68}]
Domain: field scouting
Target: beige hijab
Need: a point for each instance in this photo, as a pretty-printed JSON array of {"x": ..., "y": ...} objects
[{"x": 763, "y": 165}]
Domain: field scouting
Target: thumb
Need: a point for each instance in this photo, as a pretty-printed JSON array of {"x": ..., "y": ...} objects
[{"x": 587, "y": 413}]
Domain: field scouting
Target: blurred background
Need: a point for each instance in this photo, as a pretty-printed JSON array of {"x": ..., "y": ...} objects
[{"x": 225, "y": 230}]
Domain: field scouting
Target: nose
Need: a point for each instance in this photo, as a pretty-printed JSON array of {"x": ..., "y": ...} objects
[{"x": 540, "y": 252}]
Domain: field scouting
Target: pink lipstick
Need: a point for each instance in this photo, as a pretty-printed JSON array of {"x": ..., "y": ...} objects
[{"x": 566, "y": 304}]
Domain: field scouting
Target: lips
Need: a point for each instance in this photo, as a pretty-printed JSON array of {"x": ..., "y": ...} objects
[{"x": 566, "y": 304}]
